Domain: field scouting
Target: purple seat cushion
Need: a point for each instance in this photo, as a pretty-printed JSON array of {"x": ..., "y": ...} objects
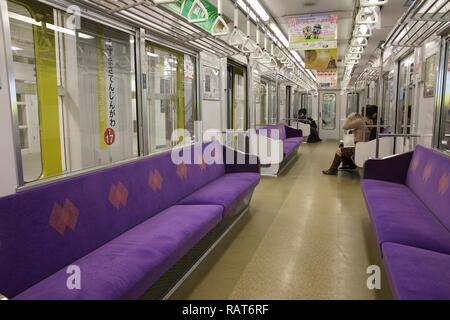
[
  {"x": 399, "y": 216},
  {"x": 289, "y": 147},
  {"x": 417, "y": 274},
  {"x": 128, "y": 265},
  {"x": 226, "y": 191},
  {"x": 429, "y": 178},
  {"x": 73, "y": 217},
  {"x": 297, "y": 140}
]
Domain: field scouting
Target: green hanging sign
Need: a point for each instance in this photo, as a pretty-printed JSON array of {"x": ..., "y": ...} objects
[{"x": 197, "y": 13}]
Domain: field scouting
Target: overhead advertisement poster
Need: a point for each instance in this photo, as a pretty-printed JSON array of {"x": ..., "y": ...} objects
[
  {"x": 321, "y": 59},
  {"x": 327, "y": 78},
  {"x": 313, "y": 32}
]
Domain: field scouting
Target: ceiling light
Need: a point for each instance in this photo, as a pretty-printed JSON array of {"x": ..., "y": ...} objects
[
  {"x": 13, "y": 48},
  {"x": 371, "y": 3},
  {"x": 22, "y": 18},
  {"x": 279, "y": 34},
  {"x": 153, "y": 55},
  {"x": 86, "y": 36},
  {"x": 262, "y": 13}
]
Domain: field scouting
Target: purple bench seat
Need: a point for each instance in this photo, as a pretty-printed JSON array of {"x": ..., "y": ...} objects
[
  {"x": 291, "y": 138},
  {"x": 127, "y": 266},
  {"x": 226, "y": 191},
  {"x": 123, "y": 226},
  {"x": 399, "y": 216},
  {"x": 417, "y": 274},
  {"x": 408, "y": 199}
]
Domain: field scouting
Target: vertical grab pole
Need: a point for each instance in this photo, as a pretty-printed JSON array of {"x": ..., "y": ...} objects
[{"x": 381, "y": 104}]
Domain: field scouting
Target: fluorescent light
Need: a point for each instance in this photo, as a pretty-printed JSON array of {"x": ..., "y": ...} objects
[
  {"x": 279, "y": 34},
  {"x": 13, "y": 48},
  {"x": 151, "y": 54},
  {"x": 26, "y": 19},
  {"x": 85, "y": 36},
  {"x": 297, "y": 56},
  {"x": 259, "y": 10},
  {"x": 244, "y": 7},
  {"x": 60, "y": 29}
]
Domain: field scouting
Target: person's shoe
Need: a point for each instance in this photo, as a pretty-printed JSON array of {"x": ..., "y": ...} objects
[
  {"x": 348, "y": 167},
  {"x": 329, "y": 172},
  {"x": 318, "y": 140}
]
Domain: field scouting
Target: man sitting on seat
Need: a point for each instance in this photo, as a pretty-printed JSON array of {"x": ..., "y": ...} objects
[{"x": 314, "y": 134}]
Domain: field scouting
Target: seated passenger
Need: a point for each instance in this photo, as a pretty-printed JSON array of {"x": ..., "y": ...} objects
[
  {"x": 357, "y": 124},
  {"x": 314, "y": 134}
]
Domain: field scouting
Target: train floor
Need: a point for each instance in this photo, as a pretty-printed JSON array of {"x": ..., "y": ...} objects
[{"x": 306, "y": 236}]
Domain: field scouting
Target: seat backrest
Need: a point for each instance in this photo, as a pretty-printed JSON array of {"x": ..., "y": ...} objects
[
  {"x": 429, "y": 178},
  {"x": 269, "y": 131},
  {"x": 47, "y": 228},
  {"x": 282, "y": 130}
]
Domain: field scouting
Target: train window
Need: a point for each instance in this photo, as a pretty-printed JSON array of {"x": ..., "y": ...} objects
[
  {"x": 352, "y": 103},
  {"x": 307, "y": 103},
  {"x": 388, "y": 99},
  {"x": 329, "y": 111},
  {"x": 171, "y": 98},
  {"x": 237, "y": 97},
  {"x": 75, "y": 91},
  {"x": 263, "y": 120},
  {"x": 405, "y": 96},
  {"x": 444, "y": 139},
  {"x": 273, "y": 109}
]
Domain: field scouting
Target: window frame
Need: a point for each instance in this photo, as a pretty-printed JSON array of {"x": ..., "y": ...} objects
[{"x": 141, "y": 35}]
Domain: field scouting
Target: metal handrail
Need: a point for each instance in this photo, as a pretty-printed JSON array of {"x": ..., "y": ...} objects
[{"x": 400, "y": 135}]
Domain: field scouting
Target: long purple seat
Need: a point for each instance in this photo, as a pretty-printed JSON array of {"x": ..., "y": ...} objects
[
  {"x": 417, "y": 274},
  {"x": 98, "y": 220},
  {"x": 408, "y": 199},
  {"x": 292, "y": 138}
]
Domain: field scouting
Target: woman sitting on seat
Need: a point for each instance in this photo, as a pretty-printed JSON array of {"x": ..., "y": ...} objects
[
  {"x": 357, "y": 124},
  {"x": 314, "y": 134}
]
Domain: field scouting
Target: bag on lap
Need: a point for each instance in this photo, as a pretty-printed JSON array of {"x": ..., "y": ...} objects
[{"x": 349, "y": 140}]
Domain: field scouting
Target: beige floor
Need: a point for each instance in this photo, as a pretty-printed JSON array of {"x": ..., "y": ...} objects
[{"x": 306, "y": 236}]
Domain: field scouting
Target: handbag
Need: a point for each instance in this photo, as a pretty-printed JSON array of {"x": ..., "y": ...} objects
[{"x": 349, "y": 139}]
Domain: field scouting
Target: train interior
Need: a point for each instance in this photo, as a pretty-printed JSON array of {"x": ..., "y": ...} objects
[{"x": 225, "y": 149}]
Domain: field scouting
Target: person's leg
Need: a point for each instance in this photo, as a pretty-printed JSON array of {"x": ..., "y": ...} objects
[
  {"x": 347, "y": 162},
  {"x": 333, "y": 170}
]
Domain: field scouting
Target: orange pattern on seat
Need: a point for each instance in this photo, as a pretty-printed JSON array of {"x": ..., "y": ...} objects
[
  {"x": 63, "y": 217},
  {"x": 444, "y": 183},
  {"x": 155, "y": 180},
  {"x": 182, "y": 171},
  {"x": 427, "y": 172},
  {"x": 202, "y": 163},
  {"x": 118, "y": 195},
  {"x": 415, "y": 163}
]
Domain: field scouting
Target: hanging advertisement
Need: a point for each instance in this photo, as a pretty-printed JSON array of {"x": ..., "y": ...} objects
[
  {"x": 312, "y": 32},
  {"x": 327, "y": 78},
  {"x": 323, "y": 60}
]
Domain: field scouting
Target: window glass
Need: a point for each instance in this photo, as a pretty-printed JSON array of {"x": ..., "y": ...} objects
[
  {"x": 240, "y": 99},
  {"x": 264, "y": 104},
  {"x": 352, "y": 103},
  {"x": 76, "y": 88},
  {"x": 273, "y": 107},
  {"x": 405, "y": 100},
  {"x": 444, "y": 141},
  {"x": 171, "y": 96},
  {"x": 307, "y": 103},
  {"x": 329, "y": 111}
]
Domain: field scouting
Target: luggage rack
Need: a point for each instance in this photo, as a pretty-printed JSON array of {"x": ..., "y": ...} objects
[
  {"x": 162, "y": 20},
  {"x": 423, "y": 19}
]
